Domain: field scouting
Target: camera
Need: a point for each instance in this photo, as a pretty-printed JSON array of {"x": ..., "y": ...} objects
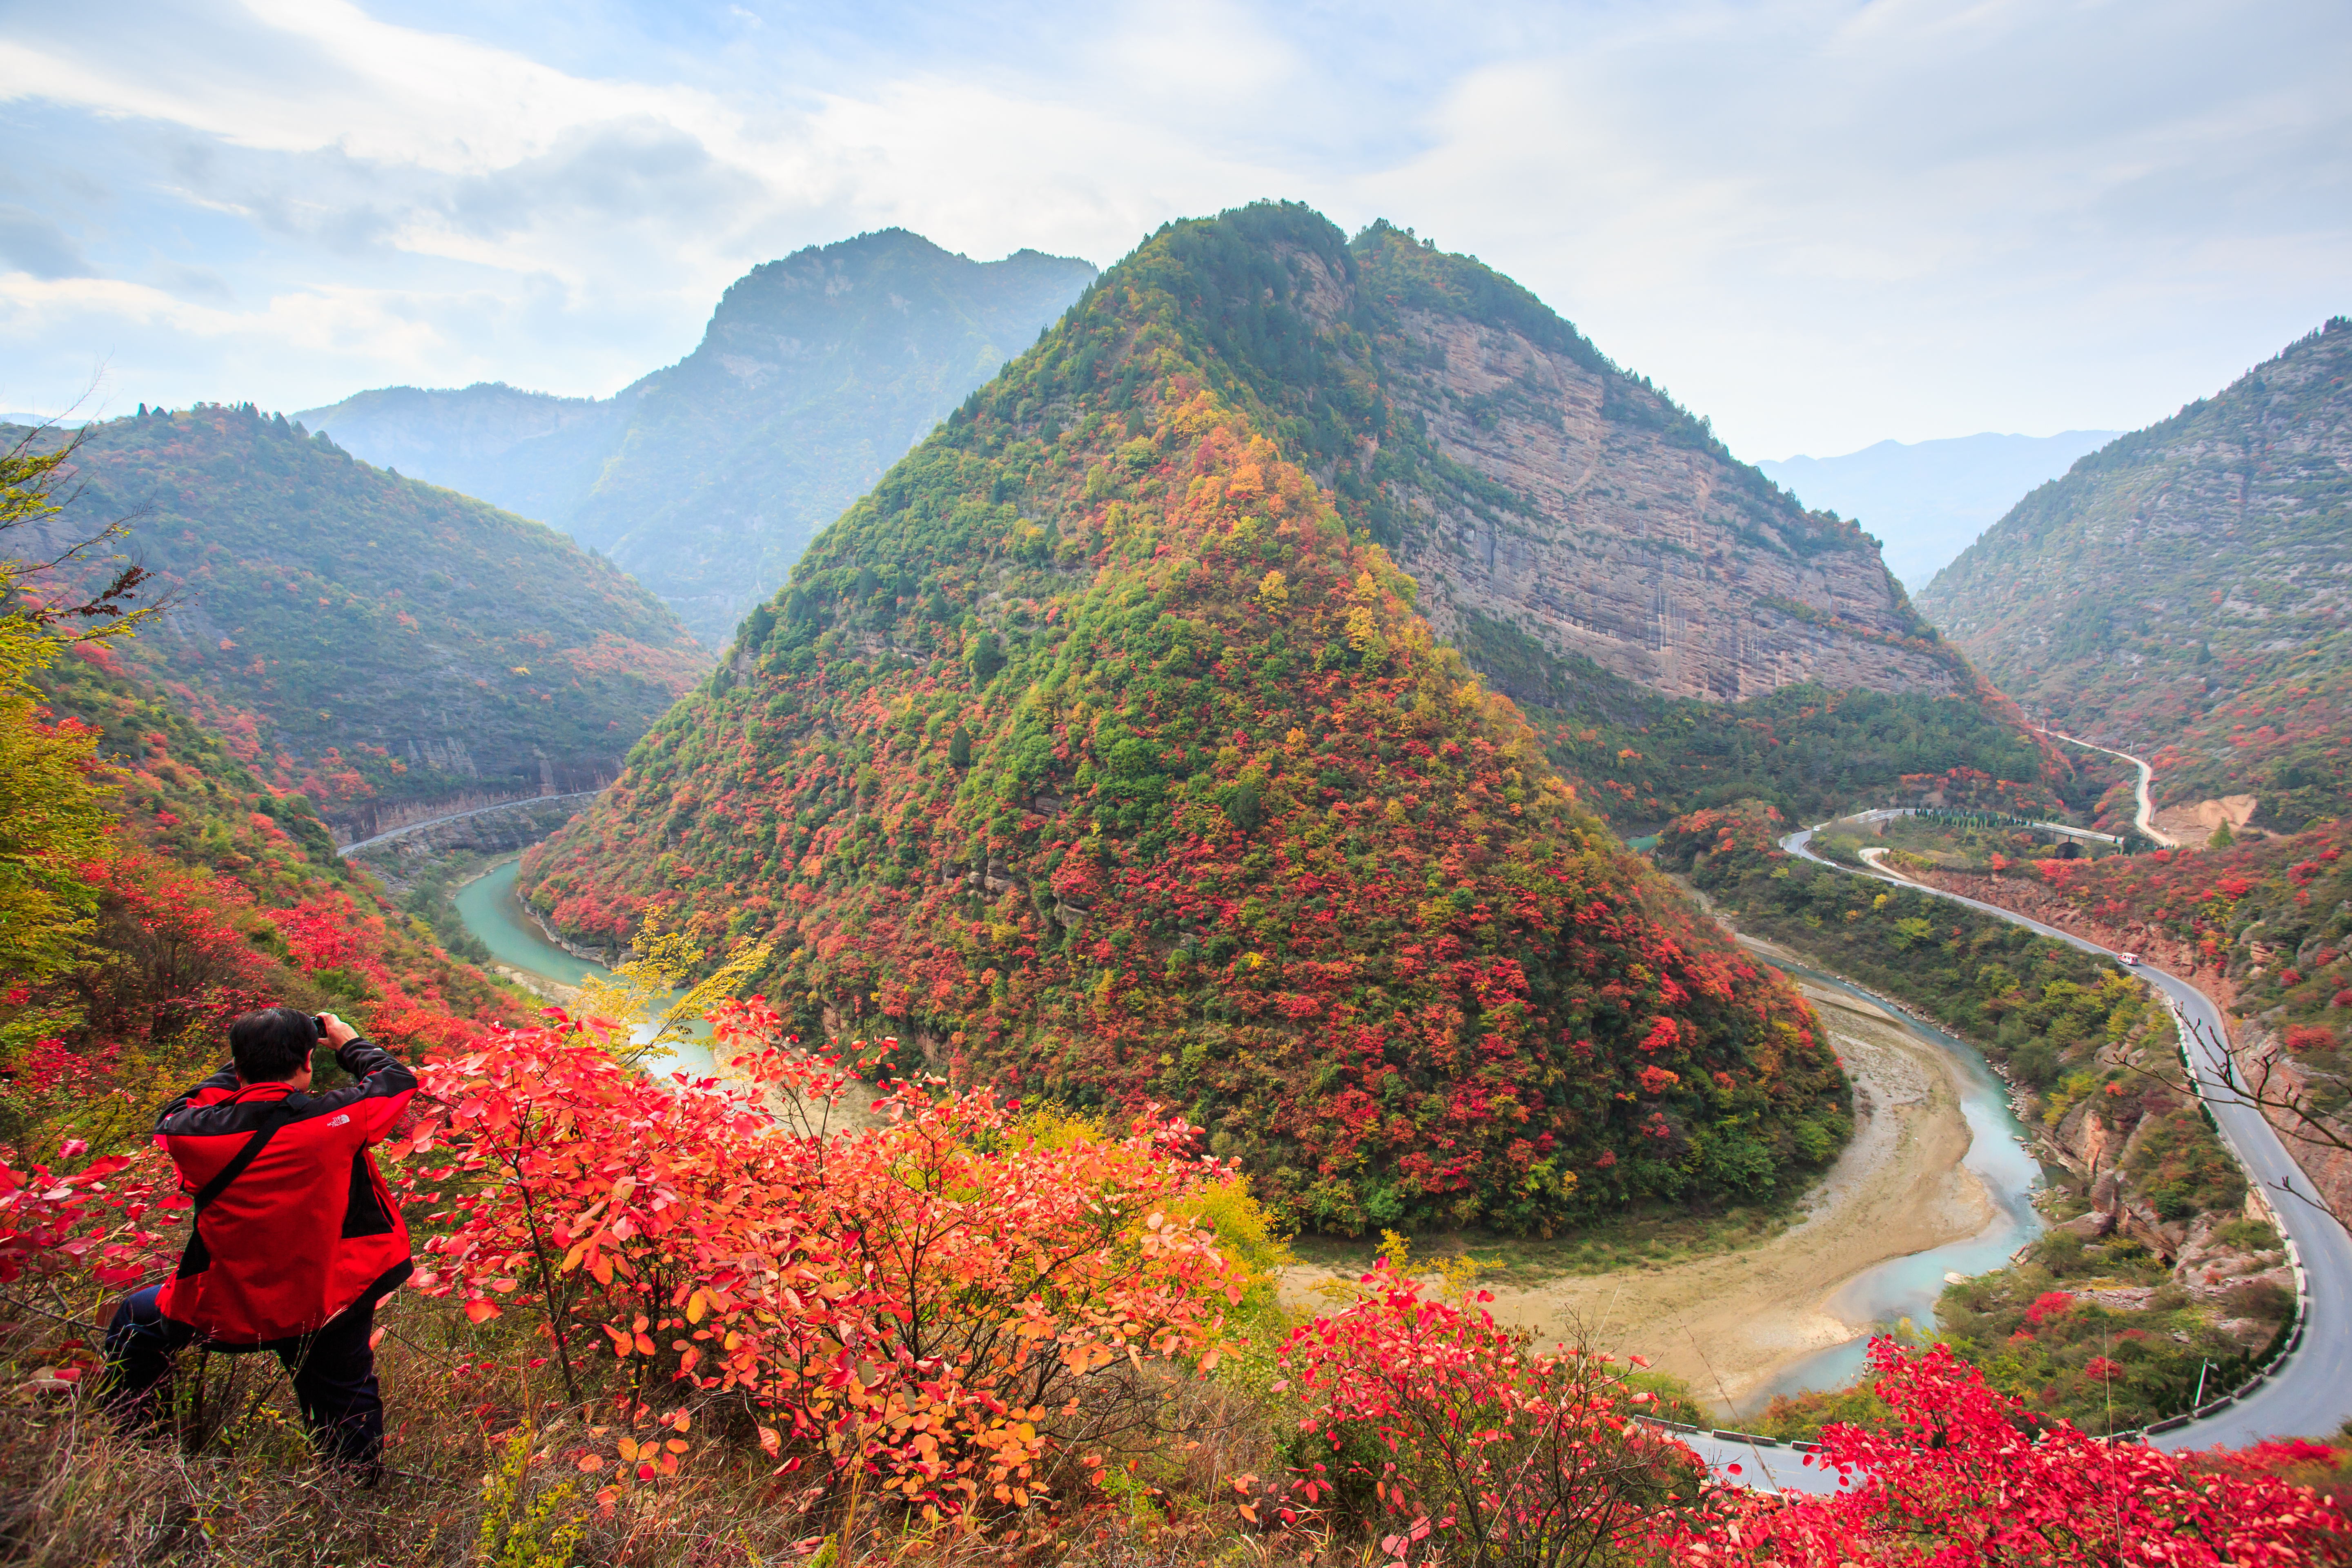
[{"x": 318, "y": 1020}]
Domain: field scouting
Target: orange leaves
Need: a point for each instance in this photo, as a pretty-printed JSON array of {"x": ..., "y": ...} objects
[
  {"x": 633, "y": 1338},
  {"x": 884, "y": 1292}
]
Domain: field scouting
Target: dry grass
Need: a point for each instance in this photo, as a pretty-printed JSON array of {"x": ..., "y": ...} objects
[
  {"x": 470, "y": 1440},
  {"x": 1655, "y": 1237}
]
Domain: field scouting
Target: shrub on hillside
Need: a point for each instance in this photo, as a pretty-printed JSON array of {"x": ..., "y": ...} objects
[{"x": 943, "y": 1308}]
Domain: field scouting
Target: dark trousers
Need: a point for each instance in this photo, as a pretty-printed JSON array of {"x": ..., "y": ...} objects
[{"x": 333, "y": 1371}]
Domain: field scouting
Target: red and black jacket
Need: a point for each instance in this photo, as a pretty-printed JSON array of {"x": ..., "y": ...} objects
[{"x": 294, "y": 1223}]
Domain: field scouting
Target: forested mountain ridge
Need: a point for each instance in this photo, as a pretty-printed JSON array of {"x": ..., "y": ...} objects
[
  {"x": 2181, "y": 591},
  {"x": 1679, "y": 630},
  {"x": 368, "y": 638},
  {"x": 708, "y": 478},
  {"x": 1094, "y": 754}
]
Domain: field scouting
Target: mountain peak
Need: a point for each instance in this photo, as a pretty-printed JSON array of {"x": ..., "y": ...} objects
[{"x": 1094, "y": 751}]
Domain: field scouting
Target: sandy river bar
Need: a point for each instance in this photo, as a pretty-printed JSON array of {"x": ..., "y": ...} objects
[{"x": 1726, "y": 1322}]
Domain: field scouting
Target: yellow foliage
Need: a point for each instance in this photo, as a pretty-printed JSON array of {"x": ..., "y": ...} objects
[
  {"x": 1057, "y": 1127},
  {"x": 51, "y": 816},
  {"x": 1247, "y": 1239},
  {"x": 649, "y": 997}
]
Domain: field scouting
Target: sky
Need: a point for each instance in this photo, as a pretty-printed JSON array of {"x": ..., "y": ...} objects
[{"x": 1820, "y": 223}]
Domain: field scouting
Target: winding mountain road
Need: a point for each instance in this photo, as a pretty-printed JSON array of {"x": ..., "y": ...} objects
[
  {"x": 2307, "y": 1392},
  {"x": 2146, "y": 816},
  {"x": 348, "y": 850}
]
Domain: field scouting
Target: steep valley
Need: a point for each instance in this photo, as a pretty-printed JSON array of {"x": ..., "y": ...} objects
[{"x": 2180, "y": 593}]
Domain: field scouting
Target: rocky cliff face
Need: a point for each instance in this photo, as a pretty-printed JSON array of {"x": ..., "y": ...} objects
[
  {"x": 2181, "y": 592},
  {"x": 1522, "y": 477},
  {"x": 1632, "y": 545}
]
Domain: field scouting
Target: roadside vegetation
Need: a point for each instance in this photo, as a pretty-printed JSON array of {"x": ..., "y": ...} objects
[
  {"x": 1963, "y": 841},
  {"x": 2154, "y": 1282},
  {"x": 2271, "y": 917}
]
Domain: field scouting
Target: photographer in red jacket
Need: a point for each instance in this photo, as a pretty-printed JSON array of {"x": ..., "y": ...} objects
[{"x": 295, "y": 1236}]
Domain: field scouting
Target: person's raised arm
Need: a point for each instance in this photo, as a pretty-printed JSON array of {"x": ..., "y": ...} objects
[{"x": 385, "y": 1084}]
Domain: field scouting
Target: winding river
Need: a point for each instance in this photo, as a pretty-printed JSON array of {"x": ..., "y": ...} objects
[
  {"x": 489, "y": 909},
  {"x": 1901, "y": 1288},
  {"x": 1907, "y": 1286}
]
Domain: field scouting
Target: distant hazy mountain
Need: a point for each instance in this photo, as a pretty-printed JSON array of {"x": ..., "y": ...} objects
[
  {"x": 1929, "y": 500},
  {"x": 706, "y": 479},
  {"x": 2181, "y": 592},
  {"x": 531, "y": 453}
]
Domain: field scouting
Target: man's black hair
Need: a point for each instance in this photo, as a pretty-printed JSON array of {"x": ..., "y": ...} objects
[{"x": 272, "y": 1044}]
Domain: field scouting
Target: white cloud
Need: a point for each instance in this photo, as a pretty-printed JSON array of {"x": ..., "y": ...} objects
[{"x": 1819, "y": 222}]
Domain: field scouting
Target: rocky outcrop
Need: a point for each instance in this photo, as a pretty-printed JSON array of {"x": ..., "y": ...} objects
[
  {"x": 2257, "y": 1048},
  {"x": 2093, "y": 1142},
  {"x": 1620, "y": 539},
  {"x": 2180, "y": 592},
  {"x": 2324, "y": 1151},
  {"x": 487, "y": 827}
]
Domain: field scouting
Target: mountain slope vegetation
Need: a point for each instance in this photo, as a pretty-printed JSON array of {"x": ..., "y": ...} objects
[
  {"x": 1667, "y": 616},
  {"x": 707, "y": 478},
  {"x": 173, "y": 888},
  {"x": 372, "y": 639},
  {"x": 1094, "y": 754},
  {"x": 2180, "y": 592}
]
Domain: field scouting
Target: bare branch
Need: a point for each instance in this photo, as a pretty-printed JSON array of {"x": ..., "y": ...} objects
[
  {"x": 2286, "y": 1107},
  {"x": 29, "y": 496}
]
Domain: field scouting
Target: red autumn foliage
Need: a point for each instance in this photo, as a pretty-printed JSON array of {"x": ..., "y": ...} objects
[
  {"x": 1958, "y": 1475},
  {"x": 943, "y": 1303},
  {"x": 1429, "y": 1415},
  {"x": 1253, "y": 839},
  {"x": 68, "y": 1228}
]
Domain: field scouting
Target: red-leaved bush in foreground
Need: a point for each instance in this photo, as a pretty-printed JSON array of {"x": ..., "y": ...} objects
[
  {"x": 944, "y": 1305},
  {"x": 964, "y": 1309},
  {"x": 1960, "y": 1475},
  {"x": 1476, "y": 1448},
  {"x": 73, "y": 1229}
]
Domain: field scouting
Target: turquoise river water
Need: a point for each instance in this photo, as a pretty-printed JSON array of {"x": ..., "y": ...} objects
[
  {"x": 1907, "y": 1286},
  {"x": 491, "y": 911},
  {"x": 1898, "y": 1288}
]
